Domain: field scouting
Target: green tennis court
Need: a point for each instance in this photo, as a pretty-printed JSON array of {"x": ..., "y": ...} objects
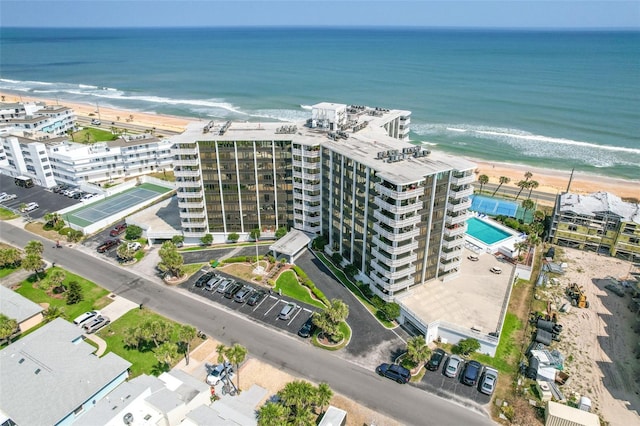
[{"x": 95, "y": 212}]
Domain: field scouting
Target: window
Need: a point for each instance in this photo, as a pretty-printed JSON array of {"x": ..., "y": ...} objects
[
  {"x": 573, "y": 228},
  {"x": 78, "y": 410}
]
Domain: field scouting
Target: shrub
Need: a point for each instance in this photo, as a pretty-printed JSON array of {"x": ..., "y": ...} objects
[
  {"x": 133, "y": 232},
  {"x": 319, "y": 242},
  {"x": 233, "y": 237},
  {"x": 238, "y": 259},
  {"x": 351, "y": 270},
  {"x": 65, "y": 231},
  {"x": 207, "y": 240},
  {"x": 299, "y": 272},
  {"x": 336, "y": 258},
  {"x": 377, "y": 301}
]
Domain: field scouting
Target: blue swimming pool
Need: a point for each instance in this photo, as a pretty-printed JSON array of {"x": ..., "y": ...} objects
[
  {"x": 493, "y": 206},
  {"x": 485, "y": 232}
]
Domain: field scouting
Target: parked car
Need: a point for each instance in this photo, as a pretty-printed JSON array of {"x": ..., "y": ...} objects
[
  {"x": 232, "y": 290},
  {"x": 85, "y": 317},
  {"x": 213, "y": 282},
  {"x": 307, "y": 328},
  {"x": 473, "y": 257},
  {"x": 394, "y": 372},
  {"x": 436, "y": 360},
  {"x": 135, "y": 246},
  {"x": 88, "y": 196},
  {"x": 202, "y": 280},
  {"x": 108, "y": 245},
  {"x": 30, "y": 207},
  {"x": 471, "y": 373},
  {"x": 242, "y": 295},
  {"x": 225, "y": 284},
  {"x": 96, "y": 122},
  {"x": 287, "y": 311},
  {"x": 6, "y": 197},
  {"x": 118, "y": 229},
  {"x": 496, "y": 269},
  {"x": 96, "y": 324},
  {"x": 488, "y": 380},
  {"x": 219, "y": 372},
  {"x": 453, "y": 366},
  {"x": 256, "y": 297}
]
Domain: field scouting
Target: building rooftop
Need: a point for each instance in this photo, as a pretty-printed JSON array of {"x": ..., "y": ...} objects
[
  {"x": 133, "y": 140},
  {"x": 49, "y": 373},
  {"x": 572, "y": 416},
  {"x": 16, "y": 306},
  {"x": 291, "y": 243},
  {"x": 599, "y": 203}
]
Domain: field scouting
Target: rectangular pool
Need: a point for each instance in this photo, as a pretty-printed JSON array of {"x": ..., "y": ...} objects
[{"x": 485, "y": 232}]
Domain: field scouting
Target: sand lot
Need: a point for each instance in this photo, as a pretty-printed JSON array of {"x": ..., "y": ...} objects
[{"x": 598, "y": 342}]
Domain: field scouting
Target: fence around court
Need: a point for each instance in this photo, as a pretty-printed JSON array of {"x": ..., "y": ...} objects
[{"x": 100, "y": 224}]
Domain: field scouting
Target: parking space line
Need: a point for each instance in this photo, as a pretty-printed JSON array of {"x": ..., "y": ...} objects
[
  {"x": 294, "y": 317},
  {"x": 261, "y": 302},
  {"x": 307, "y": 310},
  {"x": 274, "y": 305}
]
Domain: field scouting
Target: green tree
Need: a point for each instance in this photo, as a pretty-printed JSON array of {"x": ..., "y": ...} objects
[
  {"x": 32, "y": 262},
  {"x": 255, "y": 234},
  {"x": 273, "y": 414},
  {"x": 159, "y": 331},
  {"x": 351, "y": 270},
  {"x": 125, "y": 252},
  {"x": 319, "y": 242},
  {"x": 519, "y": 246},
  {"x": 533, "y": 240},
  {"x": 539, "y": 216},
  {"x": 528, "y": 204},
  {"x": 483, "y": 179},
  {"x": 171, "y": 261},
  {"x": 53, "y": 219},
  {"x": 8, "y": 326},
  {"x": 281, "y": 232},
  {"x": 9, "y": 257},
  {"x": 391, "y": 310},
  {"x": 331, "y": 317},
  {"x": 74, "y": 295},
  {"x": 34, "y": 246},
  {"x": 206, "y": 240},
  {"x": 53, "y": 312},
  {"x": 74, "y": 235},
  {"x": 336, "y": 258},
  {"x": 133, "y": 232},
  {"x": 186, "y": 334},
  {"x": 233, "y": 237},
  {"x": 178, "y": 240},
  {"x": 166, "y": 353},
  {"x": 299, "y": 396},
  {"x": 528, "y": 175},
  {"x": 237, "y": 354},
  {"x": 323, "y": 396},
  {"x": 503, "y": 180},
  {"x": 57, "y": 277},
  {"x": 532, "y": 185},
  {"x": 468, "y": 346},
  {"x": 417, "y": 350},
  {"x": 522, "y": 185}
]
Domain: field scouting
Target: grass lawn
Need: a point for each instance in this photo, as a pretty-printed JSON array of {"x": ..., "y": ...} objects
[
  {"x": 289, "y": 285},
  {"x": 94, "y": 297},
  {"x": 90, "y": 134},
  {"x": 144, "y": 360},
  {"x": 6, "y": 214},
  {"x": 355, "y": 290},
  {"x": 508, "y": 351},
  {"x": 7, "y": 271}
]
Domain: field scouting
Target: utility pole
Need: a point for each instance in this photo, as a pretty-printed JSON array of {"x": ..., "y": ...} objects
[{"x": 570, "y": 179}]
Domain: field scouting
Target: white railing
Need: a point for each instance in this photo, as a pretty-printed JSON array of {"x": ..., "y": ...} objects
[
  {"x": 454, "y": 220},
  {"x": 462, "y": 193},
  {"x": 464, "y": 180},
  {"x": 187, "y": 194},
  {"x": 397, "y": 236},
  {"x": 393, "y": 208},
  {"x": 186, "y": 173},
  {"x": 451, "y": 254},
  {"x": 190, "y": 215},
  {"x": 450, "y": 244},
  {"x": 456, "y": 207},
  {"x": 190, "y": 204},
  {"x": 454, "y": 232},
  {"x": 450, "y": 265},
  {"x": 185, "y": 151},
  {"x": 189, "y": 184},
  {"x": 396, "y": 195},
  {"x": 186, "y": 162}
]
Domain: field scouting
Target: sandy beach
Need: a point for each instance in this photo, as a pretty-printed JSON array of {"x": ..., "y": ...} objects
[{"x": 550, "y": 181}]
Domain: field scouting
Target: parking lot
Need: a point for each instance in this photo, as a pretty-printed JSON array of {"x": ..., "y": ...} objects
[
  {"x": 47, "y": 201},
  {"x": 266, "y": 311},
  {"x": 452, "y": 388}
]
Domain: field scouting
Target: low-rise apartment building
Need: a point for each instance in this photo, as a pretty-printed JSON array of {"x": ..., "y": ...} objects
[
  {"x": 391, "y": 208},
  {"x": 35, "y": 117},
  {"x": 599, "y": 222}
]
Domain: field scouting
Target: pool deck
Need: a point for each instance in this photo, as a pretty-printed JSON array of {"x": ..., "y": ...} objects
[
  {"x": 474, "y": 299},
  {"x": 477, "y": 245}
]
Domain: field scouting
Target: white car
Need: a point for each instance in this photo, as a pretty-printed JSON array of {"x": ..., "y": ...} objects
[
  {"x": 135, "y": 246},
  {"x": 96, "y": 122},
  {"x": 6, "y": 197},
  {"x": 85, "y": 317},
  {"x": 496, "y": 269},
  {"x": 30, "y": 207},
  {"x": 219, "y": 372}
]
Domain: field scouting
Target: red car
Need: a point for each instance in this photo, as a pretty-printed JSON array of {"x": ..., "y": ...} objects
[
  {"x": 119, "y": 229},
  {"x": 108, "y": 245}
]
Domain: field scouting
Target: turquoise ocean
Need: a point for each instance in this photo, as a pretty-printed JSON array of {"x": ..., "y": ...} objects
[{"x": 558, "y": 100}]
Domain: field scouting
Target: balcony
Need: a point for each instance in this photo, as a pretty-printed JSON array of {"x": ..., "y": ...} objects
[
  {"x": 448, "y": 266},
  {"x": 405, "y": 260},
  {"x": 450, "y": 255},
  {"x": 451, "y": 244},
  {"x": 398, "y": 236},
  {"x": 186, "y": 173},
  {"x": 402, "y": 284},
  {"x": 184, "y": 162},
  {"x": 388, "y": 274},
  {"x": 309, "y": 198},
  {"x": 454, "y": 232},
  {"x": 396, "y": 195},
  {"x": 393, "y": 208},
  {"x": 192, "y": 223},
  {"x": 188, "y": 194},
  {"x": 458, "y": 194},
  {"x": 191, "y": 215},
  {"x": 191, "y": 204},
  {"x": 463, "y": 180},
  {"x": 306, "y": 153},
  {"x": 397, "y": 223},
  {"x": 185, "y": 151},
  {"x": 457, "y": 219},
  {"x": 381, "y": 244},
  {"x": 189, "y": 184},
  {"x": 194, "y": 234},
  {"x": 464, "y": 204}
]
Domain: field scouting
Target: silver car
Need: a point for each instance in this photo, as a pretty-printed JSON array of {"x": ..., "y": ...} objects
[
  {"x": 453, "y": 366},
  {"x": 96, "y": 324},
  {"x": 488, "y": 381}
]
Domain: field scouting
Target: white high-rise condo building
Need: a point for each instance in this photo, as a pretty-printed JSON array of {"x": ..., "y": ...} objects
[{"x": 391, "y": 208}]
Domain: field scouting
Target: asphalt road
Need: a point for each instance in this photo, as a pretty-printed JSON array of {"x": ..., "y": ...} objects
[{"x": 405, "y": 403}]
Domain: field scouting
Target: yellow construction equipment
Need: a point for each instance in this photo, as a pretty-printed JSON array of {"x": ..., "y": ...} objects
[{"x": 575, "y": 293}]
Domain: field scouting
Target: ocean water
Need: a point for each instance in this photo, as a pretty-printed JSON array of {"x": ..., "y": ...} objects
[{"x": 546, "y": 99}]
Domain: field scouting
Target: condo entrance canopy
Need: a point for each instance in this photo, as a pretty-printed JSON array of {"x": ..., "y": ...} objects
[{"x": 291, "y": 245}]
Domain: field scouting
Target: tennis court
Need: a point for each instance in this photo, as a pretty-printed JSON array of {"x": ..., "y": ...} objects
[
  {"x": 499, "y": 207},
  {"x": 110, "y": 206}
]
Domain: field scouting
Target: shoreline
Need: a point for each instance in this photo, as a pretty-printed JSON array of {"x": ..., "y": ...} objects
[{"x": 550, "y": 181}]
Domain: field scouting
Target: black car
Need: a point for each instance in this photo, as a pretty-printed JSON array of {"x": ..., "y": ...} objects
[
  {"x": 200, "y": 282},
  {"x": 107, "y": 245},
  {"x": 436, "y": 360},
  {"x": 394, "y": 372},
  {"x": 471, "y": 373},
  {"x": 256, "y": 297},
  {"x": 233, "y": 290},
  {"x": 307, "y": 328}
]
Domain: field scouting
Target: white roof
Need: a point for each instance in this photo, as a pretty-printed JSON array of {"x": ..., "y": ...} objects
[
  {"x": 600, "y": 202},
  {"x": 573, "y": 415},
  {"x": 16, "y": 306},
  {"x": 291, "y": 243}
]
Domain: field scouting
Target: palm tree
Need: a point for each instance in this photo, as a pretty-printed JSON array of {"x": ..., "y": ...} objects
[
  {"x": 483, "y": 179},
  {"x": 538, "y": 216},
  {"x": 417, "y": 350},
  {"x": 8, "y": 326},
  {"x": 34, "y": 246},
  {"x": 53, "y": 312},
  {"x": 533, "y": 240},
  {"x": 237, "y": 354},
  {"x": 527, "y": 175},
  {"x": 166, "y": 353},
  {"x": 527, "y": 204},
  {"x": 503, "y": 180},
  {"x": 57, "y": 277},
  {"x": 272, "y": 414},
  {"x": 519, "y": 246},
  {"x": 186, "y": 334},
  {"x": 323, "y": 395},
  {"x": 522, "y": 185},
  {"x": 532, "y": 185}
]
